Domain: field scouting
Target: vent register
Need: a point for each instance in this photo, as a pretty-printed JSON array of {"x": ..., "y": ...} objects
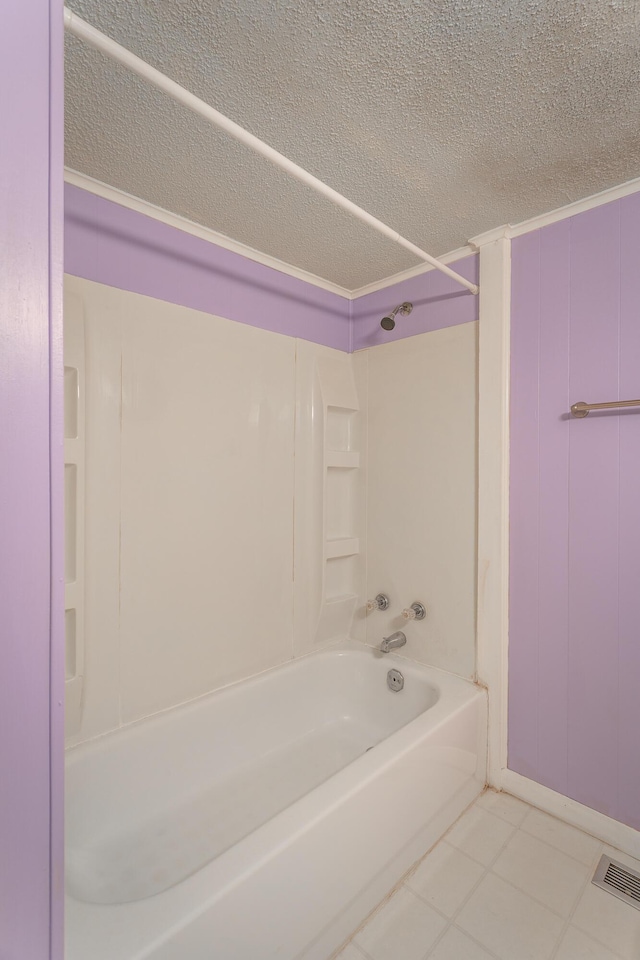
[{"x": 618, "y": 880}]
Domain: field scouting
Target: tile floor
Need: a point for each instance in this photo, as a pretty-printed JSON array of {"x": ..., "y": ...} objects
[{"x": 507, "y": 882}]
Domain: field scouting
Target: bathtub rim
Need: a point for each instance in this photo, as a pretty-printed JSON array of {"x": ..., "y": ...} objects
[
  {"x": 167, "y": 912},
  {"x": 75, "y": 750}
]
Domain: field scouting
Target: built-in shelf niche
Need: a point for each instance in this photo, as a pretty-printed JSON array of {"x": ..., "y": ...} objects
[
  {"x": 329, "y": 526},
  {"x": 70, "y": 644},
  {"x": 340, "y": 577},
  {"x": 71, "y": 399},
  {"x": 341, "y": 539},
  {"x": 74, "y": 507},
  {"x": 341, "y": 512},
  {"x": 70, "y": 521},
  {"x": 341, "y": 547},
  {"x": 339, "y": 428},
  {"x": 343, "y": 459}
]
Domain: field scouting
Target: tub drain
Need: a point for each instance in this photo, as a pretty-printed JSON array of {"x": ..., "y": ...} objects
[{"x": 395, "y": 680}]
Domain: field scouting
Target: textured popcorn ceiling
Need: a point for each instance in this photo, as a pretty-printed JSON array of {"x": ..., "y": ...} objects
[{"x": 443, "y": 119}]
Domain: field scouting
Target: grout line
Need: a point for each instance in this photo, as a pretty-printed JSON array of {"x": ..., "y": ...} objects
[
  {"x": 487, "y": 869},
  {"x": 575, "y": 907},
  {"x": 451, "y": 919},
  {"x": 360, "y": 950},
  {"x": 476, "y": 941},
  {"x": 531, "y": 896},
  {"x": 403, "y": 882},
  {"x": 569, "y": 918},
  {"x": 514, "y": 829},
  {"x": 357, "y": 947},
  {"x": 435, "y": 943},
  {"x": 558, "y": 850},
  {"x": 388, "y": 896}
]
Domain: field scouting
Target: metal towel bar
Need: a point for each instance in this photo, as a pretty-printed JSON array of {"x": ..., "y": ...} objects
[{"x": 582, "y": 409}]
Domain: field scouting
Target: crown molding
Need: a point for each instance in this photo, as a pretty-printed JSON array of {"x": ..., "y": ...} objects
[
  {"x": 560, "y": 213},
  {"x": 127, "y": 200},
  {"x": 490, "y": 236},
  {"x": 411, "y": 272},
  {"x": 100, "y": 189},
  {"x": 103, "y": 190},
  {"x": 578, "y": 206},
  {"x": 507, "y": 231}
]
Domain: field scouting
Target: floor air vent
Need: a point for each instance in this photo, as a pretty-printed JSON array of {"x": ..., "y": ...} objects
[{"x": 619, "y": 880}]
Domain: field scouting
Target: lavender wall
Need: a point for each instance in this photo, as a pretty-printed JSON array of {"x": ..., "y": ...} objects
[
  {"x": 437, "y": 302},
  {"x": 30, "y": 510},
  {"x": 119, "y": 247},
  {"x": 574, "y": 648}
]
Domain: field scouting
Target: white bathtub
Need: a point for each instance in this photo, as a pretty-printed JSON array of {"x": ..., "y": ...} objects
[{"x": 267, "y": 819}]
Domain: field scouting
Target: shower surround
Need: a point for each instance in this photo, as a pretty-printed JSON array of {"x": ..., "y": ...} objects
[
  {"x": 227, "y": 482},
  {"x": 294, "y": 412}
]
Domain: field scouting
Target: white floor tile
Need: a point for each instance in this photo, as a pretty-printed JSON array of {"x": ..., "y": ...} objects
[
  {"x": 403, "y": 929},
  {"x": 350, "y": 952},
  {"x": 609, "y": 921},
  {"x": 480, "y": 835},
  {"x": 571, "y": 841},
  {"x": 542, "y": 872},
  {"x": 508, "y": 922},
  {"x": 576, "y": 945},
  {"x": 456, "y": 945},
  {"x": 445, "y": 878},
  {"x": 505, "y": 806},
  {"x": 510, "y": 875}
]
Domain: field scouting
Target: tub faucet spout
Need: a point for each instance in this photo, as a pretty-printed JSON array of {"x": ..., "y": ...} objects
[{"x": 397, "y": 639}]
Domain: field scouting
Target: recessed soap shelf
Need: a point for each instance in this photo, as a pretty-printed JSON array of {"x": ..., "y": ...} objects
[
  {"x": 74, "y": 507},
  {"x": 343, "y": 459},
  {"x": 341, "y": 547}
]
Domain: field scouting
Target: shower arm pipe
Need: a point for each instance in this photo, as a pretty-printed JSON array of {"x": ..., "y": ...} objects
[{"x": 95, "y": 38}]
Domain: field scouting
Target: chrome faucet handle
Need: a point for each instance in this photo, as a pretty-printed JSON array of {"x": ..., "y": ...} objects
[
  {"x": 381, "y": 602},
  {"x": 417, "y": 611}
]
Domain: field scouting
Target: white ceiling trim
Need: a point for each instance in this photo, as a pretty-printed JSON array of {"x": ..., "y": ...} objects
[
  {"x": 103, "y": 190},
  {"x": 572, "y": 209},
  {"x": 100, "y": 189},
  {"x": 560, "y": 213},
  {"x": 451, "y": 257}
]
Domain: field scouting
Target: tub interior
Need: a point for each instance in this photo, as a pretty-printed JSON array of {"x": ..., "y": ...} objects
[{"x": 149, "y": 806}]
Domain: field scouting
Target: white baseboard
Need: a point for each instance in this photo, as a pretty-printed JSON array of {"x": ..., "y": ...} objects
[{"x": 612, "y": 832}]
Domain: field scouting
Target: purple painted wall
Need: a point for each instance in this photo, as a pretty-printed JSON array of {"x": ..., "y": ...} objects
[
  {"x": 437, "y": 302},
  {"x": 31, "y": 610},
  {"x": 119, "y": 247},
  {"x": 574, "y": 648}
]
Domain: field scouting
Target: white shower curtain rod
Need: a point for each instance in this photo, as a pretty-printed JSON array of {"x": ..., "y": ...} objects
[{"x": 74, "y": 24}]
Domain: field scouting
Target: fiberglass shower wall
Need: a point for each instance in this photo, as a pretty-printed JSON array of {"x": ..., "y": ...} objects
[
  {"x": 235, "y": 496},
  {"x": 421, "y": 385}
]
